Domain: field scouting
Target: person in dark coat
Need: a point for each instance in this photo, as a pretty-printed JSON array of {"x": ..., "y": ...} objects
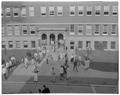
[{"x": 46, "y": 89}]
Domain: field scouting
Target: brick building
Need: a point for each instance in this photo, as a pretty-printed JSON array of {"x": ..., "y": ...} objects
[{"x": 76, "y": 25}]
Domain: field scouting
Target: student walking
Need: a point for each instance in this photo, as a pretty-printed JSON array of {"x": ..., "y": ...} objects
[
  {"x": 53, "y": 74},
  {"x": 75, "y": 65}
]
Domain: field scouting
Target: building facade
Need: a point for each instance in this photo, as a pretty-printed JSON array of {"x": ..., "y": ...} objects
[{"x": 79, "y": 26}]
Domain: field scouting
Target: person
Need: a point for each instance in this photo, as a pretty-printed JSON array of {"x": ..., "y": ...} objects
[
  {"x": 75, "y": 65},
  {"x": 7, "y": 66},
  {"x": 39, "y": 90},
  {"x": 45, "y": 89},
  {"x": 36, "y": 74},
  {"x": 53, "y": 74},
  {"x": 61, "y": 72},
  {"x": 4, "y": 72},
  {"x": 65, "y": 69},
  {"x": 26, "y": 62},
  {"x": 87, "y": 63},
  {"x": 72, "y": 58}
]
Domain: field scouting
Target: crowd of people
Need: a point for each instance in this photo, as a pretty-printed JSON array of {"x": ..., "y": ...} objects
[
  {"x": 37, "y": 56},
  {"x": 8, "y": 66}
]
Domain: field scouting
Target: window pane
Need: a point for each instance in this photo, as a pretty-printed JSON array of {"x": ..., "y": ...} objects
[
  {"x": 72, "y": 28},
  {"x": 88, "y": 29},
  {"x": 17, "y": 30},
  {"x": 51, "y": 11},
  {"x": 72, "y": 10},
  {"x": 10, "y": 44},
  {"x": 113, "y": 44},
  {"x": 105, "y": 29},
  {"x": 97, "y": 29},
  {"x": 24, "y": 29},
  {"x": 106, "y": 10},
  {"x": 114, "y": 10},
  {"x": 8, "y": 12},
  {"x": 31, "y": 11},
  {"x": 97, "y": 10},
  {"x": 71, "y": 45},
  {"x": 33, "y": 44},
  {"x": 89, "y": 10},
  {"x": 32, "y": 29},
  {"x": 23, "y": 12},
  {"x": 80, "y": 28},
  {"x": 114, "y": 29},
  {"x": 15, "y": 12},
  {"x": 79, "y": 44},
  {"x": 43, "y": 11},
  {"x": 59, "y": 10},
  {"x": 25, "y": 44},
  {"x": 18, "y": 44},
  {"x": 3, "y": 44},
  {"x": 9, "y": 30},
  {"x": 3, "y": 30},
  {"x": 80, "y": 10}
]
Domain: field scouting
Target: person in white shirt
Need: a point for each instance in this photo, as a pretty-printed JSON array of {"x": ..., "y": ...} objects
[
  {"x": 7, "y": 65},
  {"x": 4, "y": 72}
]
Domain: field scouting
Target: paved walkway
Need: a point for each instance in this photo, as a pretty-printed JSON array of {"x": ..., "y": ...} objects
[{"x": 18, "y": 80}]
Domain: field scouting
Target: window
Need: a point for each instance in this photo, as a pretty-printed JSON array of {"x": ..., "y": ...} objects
[
  {"x": 31, "y": 11},
  {"x": 97, "y": 29},
  {"x": 9, "y": 30},
  {"x": 89, "y": 10},
  {"x": 97, "y": 10},
  {"x": 15, "y": 12},
  {"x": 72, "y": 29},
  {"x": 88, "y": 29},
  {"x": 71, "y": 45},
  {"x": 10, "y": 44},
  {"x": 114, "y": 29},
  {"x": 25, "y": 44},
  {"x": 24, "y": 29},
  {"x": 114, "y": 10},
  {"x": 33, "y": 44},
  {"x": 51, "y": 11},
  {"x": 3, "y": 44},
  {"x": 60, "y": 11},
  {"x": 23, "y": 12},
  {"x": 106, "y": 10},
  {"x": 88, "y": 44},
  {"x": 104, "y": 44},
  {"x": 3, "y": 30},
  {"x": 17, "y": 30},
  {"x": 80, "y": 29},
  {"x": 80, "y": 44},
  {"x": 72, "y": 10},
  {"x": 18, "y": 44},
  {"x": 32, "y": 29},
  {"x": 80, "y": 10},
  {"x": 43, "y": 11},
  {"x": 113, "y": 45},
  {"x": 8, "y": 12},
  {"x": 105, "y": 29}
]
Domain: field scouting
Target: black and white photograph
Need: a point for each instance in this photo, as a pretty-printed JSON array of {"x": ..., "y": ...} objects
[{"x": 59, "y": 47}]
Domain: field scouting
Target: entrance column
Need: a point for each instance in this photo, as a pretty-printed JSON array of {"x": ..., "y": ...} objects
[
  {"x": 48, "y": 39},
  {"x": 56, "y": 41}
]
